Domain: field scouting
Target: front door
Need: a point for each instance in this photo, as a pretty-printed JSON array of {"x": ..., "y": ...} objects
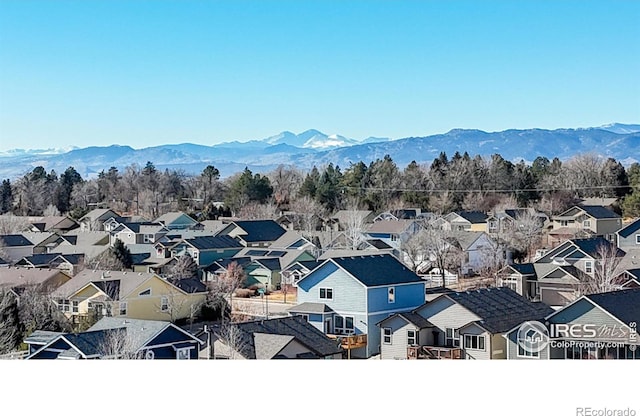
[{"x": 327, "y": 326}]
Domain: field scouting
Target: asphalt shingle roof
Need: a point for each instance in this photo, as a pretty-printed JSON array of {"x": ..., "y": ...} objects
[
  {"x": 260, "y": 230},
  {"x": 599, "y": 212},
  {"x": 310, "y": 307},
  {"x": 377, "y": 270},
  {"x": 591, "y": 245},
  {"x": 212, "y": 243},
  {"x": 474, "y": 217},
  {"x": 295, "y": 326},
  {"x": 524, "y": 268},
  {"x": 623, "y": 304},
  {"x": 500, "y": 309},
  {"x": 630, "y": 229},
  {"x": 15, "y": 240},
  {"x": 416, "y": 319}
]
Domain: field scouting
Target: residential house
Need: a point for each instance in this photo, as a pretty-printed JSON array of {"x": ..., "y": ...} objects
[
  {"x": 95, "y": 293},
  {"x": 254, "y": 233},
  {"x": 206, "y": 250},
  {"x": 466, "y": 221},
  {"x": 15, "y": 247},
  {"x": 94, "y": 220},
  {"x": 289, "y": 337},
  {"x": 502, "y": 222},
  {"x": 297, "y": 270},
  {"x": 115, "y": 337},
  {"x": 477, "y": 247},
  {"x": 57, "y": 223},
  {"x": 70, "y": 263},
  {"x": 138, "y": 233},
  {"x": 628, "y": 237},
  {"x": 521, "y": 278},
  {"x": 89, "y": 243},
  {"x": 346, "y": 218},
  {"x": 393, "y": 233},
  {"x": 178, "y": 221},
  {"x": 45, "y": 279},
  {"x": 354, "y": 294},
  {"x": 597, "y": 326},
  {"x": 583, "y": 221},
  {"x": 466, "y": 325},
  {"x": 564, "y": 272}
]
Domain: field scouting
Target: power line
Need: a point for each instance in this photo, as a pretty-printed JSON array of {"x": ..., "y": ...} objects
[{"x": 575, "y": 188}]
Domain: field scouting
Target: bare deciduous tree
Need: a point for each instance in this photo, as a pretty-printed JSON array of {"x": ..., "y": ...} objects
[
  {"x": 257, "y": 211},
  {"x": 604, "y": 277},
  {"x": 222, "y": 289},
  {"x": 120, "y": 344},
  {"x": 526, "y": 232},
  {"x": 11, "y": 224}
]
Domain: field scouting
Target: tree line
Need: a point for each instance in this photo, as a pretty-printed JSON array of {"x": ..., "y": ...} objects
[{"x": 460, "y": 182}]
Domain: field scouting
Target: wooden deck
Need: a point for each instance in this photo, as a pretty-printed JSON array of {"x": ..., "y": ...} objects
[{"x": 424, "y": 352}]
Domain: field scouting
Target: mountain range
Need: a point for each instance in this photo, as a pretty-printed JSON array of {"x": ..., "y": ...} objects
[{"x": 312, "y": 147}]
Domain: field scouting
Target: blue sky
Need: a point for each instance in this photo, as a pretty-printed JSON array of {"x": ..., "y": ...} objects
[{"x": 143, "y": 73}]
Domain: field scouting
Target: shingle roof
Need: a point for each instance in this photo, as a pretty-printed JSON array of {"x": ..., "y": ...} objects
[
  {"x": 127, "y": 281},
  {"x": 295, "y": 326},
  {"x": 389, "y": 226},
  {"x": 310, "y": 307},
  {"x": 310, "y": 264},
  {"x": 377, "y": 270},
  {"x": 599, "y": 212},
  {"x": 629, "y": 229},
  {"x": 416, "y": 319},
  {"x": 91, "y": 343},
  {"x": 260, "y": 230},
  {"x": 623, "y": 304},
  {"x": 591, "y": 245},
  {"x": 270, "y": 263},
  {"x": 474, "y": 217},
  {"x": 500, "y": 309},
  {"x": 523, "y": 268},
  {"x": 38, "y": 259},
  {"x": 191, "y": 285},
  {"x": 15, "y": 240},
  {"x": 41, "y": 337},
  {"x": 20, "y": 276},
  {"x": 211, "y": 243}
]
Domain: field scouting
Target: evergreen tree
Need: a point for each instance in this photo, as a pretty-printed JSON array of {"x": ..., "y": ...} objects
[{"x": 6, "y": 197}]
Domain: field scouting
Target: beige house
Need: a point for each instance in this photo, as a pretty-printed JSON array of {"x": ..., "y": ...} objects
[{"x": 95, "y": 293}]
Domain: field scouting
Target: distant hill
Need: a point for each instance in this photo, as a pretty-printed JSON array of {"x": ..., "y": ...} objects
[{"x": 312, "y": 147}]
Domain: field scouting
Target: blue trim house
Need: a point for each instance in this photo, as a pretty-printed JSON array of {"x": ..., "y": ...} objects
[{"x": 350, "y": 295}]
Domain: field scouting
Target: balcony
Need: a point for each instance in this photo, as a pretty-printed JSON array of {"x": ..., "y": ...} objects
[
  {"x": 423, "y": 352},
  {"x": 349, "y": 342}
]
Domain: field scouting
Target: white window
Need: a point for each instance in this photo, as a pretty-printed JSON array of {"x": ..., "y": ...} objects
[
  {"x": 74, "y": 306},
  {"x": 63, "y": 305},
  {"x": 391, "y": 295},
  {"x": 526, "y": 353},
  {"x": 637, "y": 238},
  {"x": 586, "y": 224},
  {"x": 148, "y": 238},
  {"x": 183, "y": 354},
  {"x": 164, "y": 303},
  {"x": 452, "y": 337},
  {"x": 145, "y": 292},
  {"x": 326, "y": 293},
  {"x": 123, "y": 308},
  {"x": 412, "y": 337},
  {"x": 195, "y": 255},
  {"x": 474, "y": 342},
  {"x": 588, "y": 267},
  {"x": 394, "y": 237},
  {"x": 386, "y": 335}
]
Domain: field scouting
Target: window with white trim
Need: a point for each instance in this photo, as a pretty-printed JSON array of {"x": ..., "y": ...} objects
[
  {"x": 637, "y": 238},
  {"x": 451, "y": 337},
  {"x": 145, "y": 292},
  {"x": 386, "y": 336},
  {"x": 183, "y": 354},
  {"x": 391, "y": 295},
  {"x": 164, "y": 303},
  {"x": 74, "y": 306},
  {"x": 412, "y": 337},
  {"x": 588, "y": 267},
  {"x": 586, "y": 223},
  {"x": 63, "y": 305},
  {"x": 326, "y": 293},
  {"x": 123, "y": 308},
  {"x": 304, "y": 316},
  {"x": 474, "y": 342},
  {"x": 343, "y": 324},
  {"x": 525, "y": 353}
]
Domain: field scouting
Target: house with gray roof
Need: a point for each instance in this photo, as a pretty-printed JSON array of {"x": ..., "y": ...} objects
[
  {"x": 178, "y": 221},
  {"x": 628, "y": 237},
  {"x": 582, "y": 221},
  {"x": 94, "y": 220},
  {"x": 465, "y": 325},
  {"x": 15, "y": 247},
  {"x": 117, "y": 338},
  {"x": 593, "y": 327},
  {"x": 254, "y": 233},
  {"x": 46, "y": 279},
  {"x": 360, "y": 291},
  {"x": 289, "y": 337}
]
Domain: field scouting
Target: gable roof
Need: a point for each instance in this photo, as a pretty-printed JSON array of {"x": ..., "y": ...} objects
[
  {"x": 310, "y": 307},
  {"x": 376, "y": 270},
  {"x": 260, "y": 230},
  {"x": 474, "y": 217},
  {"x": 523, "y": 268},
  {"x": 126, "y": 282},
  {"x": 20, "y": 276},
  {"x": 623, "y": 304},
  {"x": 295, "y": 326},
  {"x": 500, "y": 309},
  {"x": 629, "y": 229},
  {"x": 98, "y": 214},
  {"x": 595, "y": 211},
  {"x": 389, "y": 226},
  {"x": 15, "y": 240},
  {"x": 411, "y": 317},
  {"x": 170, "y": 217},
  {"x": 213, "y": 243}
]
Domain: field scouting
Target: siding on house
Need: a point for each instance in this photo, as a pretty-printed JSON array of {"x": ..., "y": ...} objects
[
  {"x": 476, "y": 354},
  {"x": 348, "y": 293},
  {"x": 406, "y": 297},
  {"x": 444, "y": 313},
  {"x": 397, "y": 350}
]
